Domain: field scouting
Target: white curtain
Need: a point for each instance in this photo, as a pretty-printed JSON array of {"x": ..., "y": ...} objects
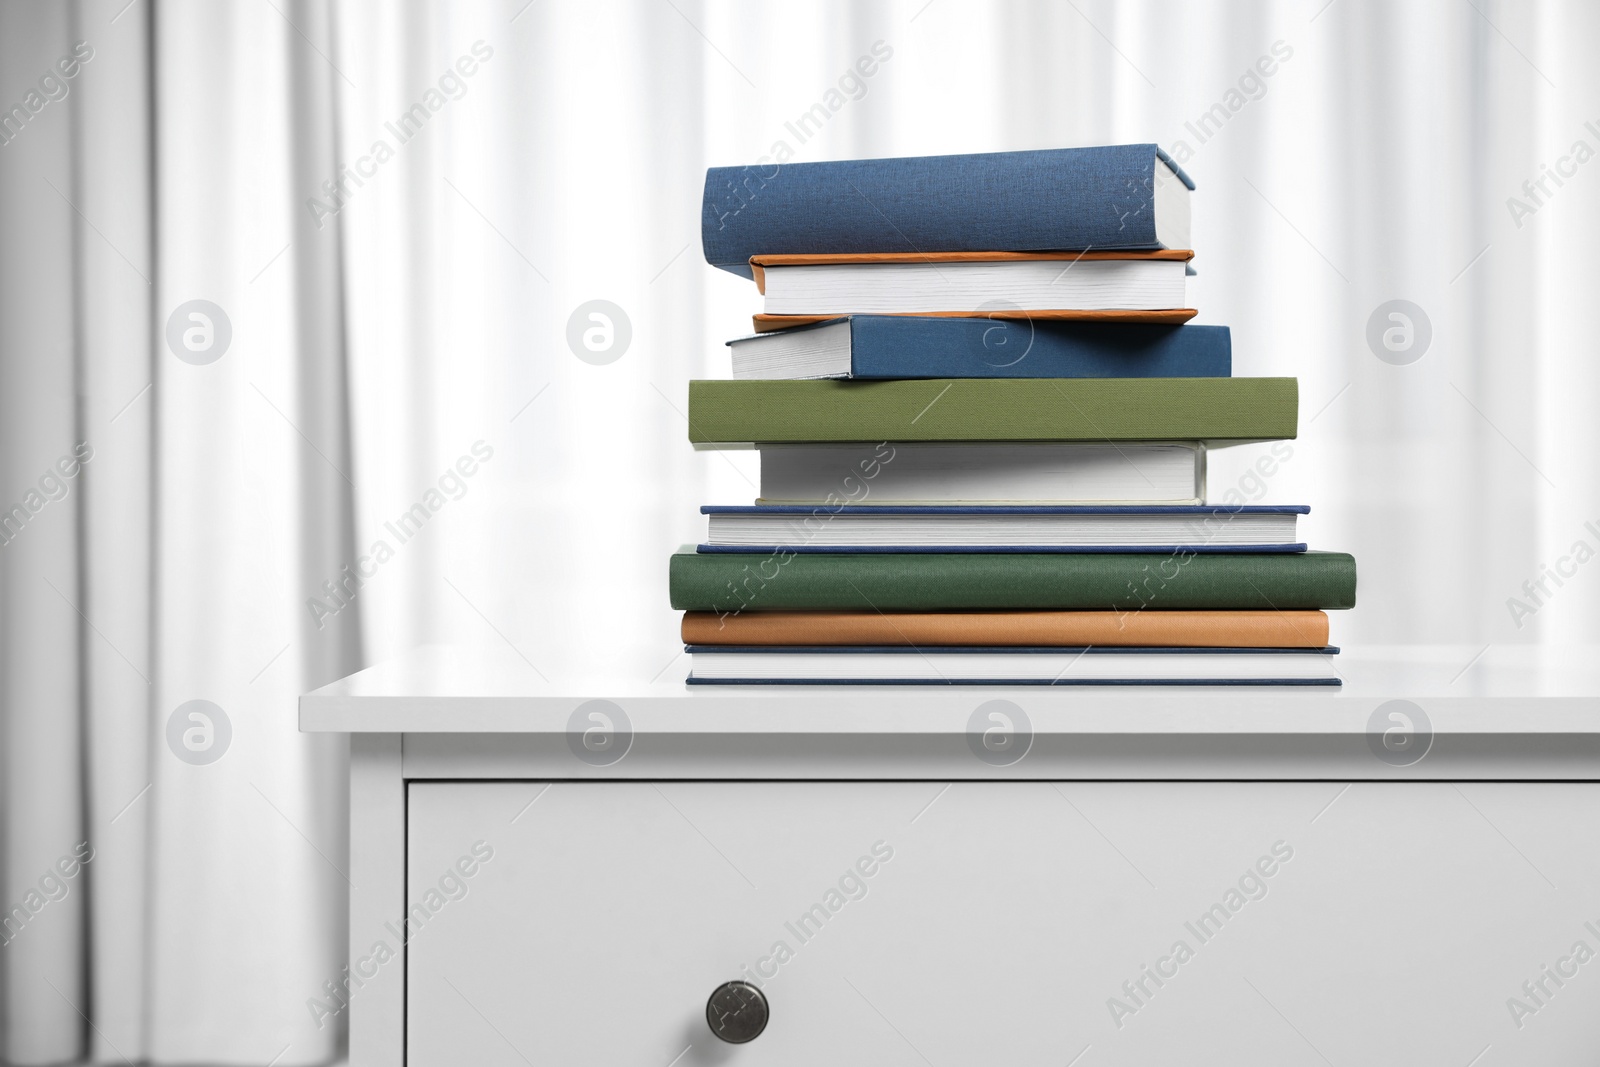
[
  {"x": 173, "y": 564},
  {"x": 398, "y": 446}
]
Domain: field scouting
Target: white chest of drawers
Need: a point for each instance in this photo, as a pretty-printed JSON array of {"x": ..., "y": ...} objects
[{"x": 564, "y": 874}]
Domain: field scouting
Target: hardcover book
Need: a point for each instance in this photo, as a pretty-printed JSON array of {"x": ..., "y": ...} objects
[
  {"x": 1197, "y": 629},
  {"x": 944, "y": 472},
  {"x": 956, "y": 283},
  {"x": 1121, "y": 582},
  {"x": 1214, "y": 410},
  {"x": 1064, "y": 199},
  {"x": 914, "y": 346},
  {"x": 1009, "y": 528},
  {"x": 899, "y": 665}
]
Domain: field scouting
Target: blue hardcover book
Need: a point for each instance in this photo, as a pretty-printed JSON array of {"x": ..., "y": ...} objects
[
  {"x": 911, "y": 346},
  {"x": 1061, "y": 199},
  {"x": 1027, "y": 528}
]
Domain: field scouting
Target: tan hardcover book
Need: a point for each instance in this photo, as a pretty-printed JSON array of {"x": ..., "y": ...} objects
[{"x": 1194, "y": 629}]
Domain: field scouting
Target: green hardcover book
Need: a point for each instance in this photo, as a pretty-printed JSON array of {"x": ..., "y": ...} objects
[
  {"x": 1089, "y": 581},
  {"x": 1219, "y": 411}
]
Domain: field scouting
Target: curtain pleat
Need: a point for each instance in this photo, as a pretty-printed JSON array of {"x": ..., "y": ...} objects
[
  {"x": 42, "y": 974},
  {"x": 116, "y": 267}
]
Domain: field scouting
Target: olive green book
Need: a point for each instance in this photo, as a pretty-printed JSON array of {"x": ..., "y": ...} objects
[
  {"x": 963, "y": 581},
  {"x": 1219, "y": 411}
]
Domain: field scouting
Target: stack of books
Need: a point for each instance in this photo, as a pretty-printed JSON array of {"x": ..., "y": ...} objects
[{"x": 983, "y": 429}]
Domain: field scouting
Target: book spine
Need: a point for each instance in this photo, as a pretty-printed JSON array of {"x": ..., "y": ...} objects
[
  {"x": 999, "y": 409},
  {"x": 915, "y": 347},
  {"x": 788, "y": 581},
  {"x": 1194, "y": 629},
  {"x": 1098, "y": 198}
]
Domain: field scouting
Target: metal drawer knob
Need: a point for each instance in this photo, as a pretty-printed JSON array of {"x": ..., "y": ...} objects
[{"x": 737, "y": 1012}]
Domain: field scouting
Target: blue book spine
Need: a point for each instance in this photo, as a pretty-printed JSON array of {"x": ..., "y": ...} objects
[
  {"x": 1220, "y": 511},
  {"x": 904, "y": 346},
  {"x": 1063, "y": 199}
]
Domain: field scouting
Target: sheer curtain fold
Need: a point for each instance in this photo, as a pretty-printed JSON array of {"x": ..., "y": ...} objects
[
  {"x": 42, "y": 961},
  {"x": 112, "y": 176}
]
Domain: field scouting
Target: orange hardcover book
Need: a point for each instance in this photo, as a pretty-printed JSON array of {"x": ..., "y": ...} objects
[
  {"x": 1194, "y": 629},
  {"x": 1173, "y": 317}
]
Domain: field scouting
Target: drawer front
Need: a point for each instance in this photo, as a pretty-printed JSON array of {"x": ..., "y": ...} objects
[{"x": 1004, "y": 923}]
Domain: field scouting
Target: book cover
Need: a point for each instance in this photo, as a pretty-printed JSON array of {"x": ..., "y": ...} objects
[
  {"x": 1064, "y": 260},
  {"x": 919, "y": 346},
  {"x": 1181, "y": 682},
  {"x": 985, "y": 473},
  {"x": 1063, "y": 285},
  {"x": 766, "y": 528},
  {"x": 1102, "y": 197},
  {"x": 1189, "y": 629},
  {"x": 985, "y": 665},
  {"x": 765, "y": 323},
  {"x": 1120, "y": 582},
  {"x": 1214, "y": 410}
]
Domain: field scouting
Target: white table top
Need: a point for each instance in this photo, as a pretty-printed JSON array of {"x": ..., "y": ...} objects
[{"x": 1520, "y": 689}]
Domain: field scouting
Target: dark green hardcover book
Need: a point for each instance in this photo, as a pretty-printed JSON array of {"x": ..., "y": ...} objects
[
  {"x": 1216, "y": 410},
  {"x": 1091, "y": 581}
]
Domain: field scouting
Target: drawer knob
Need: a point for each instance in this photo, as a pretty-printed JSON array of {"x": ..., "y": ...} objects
[{"x": 737, "y": 1012}]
